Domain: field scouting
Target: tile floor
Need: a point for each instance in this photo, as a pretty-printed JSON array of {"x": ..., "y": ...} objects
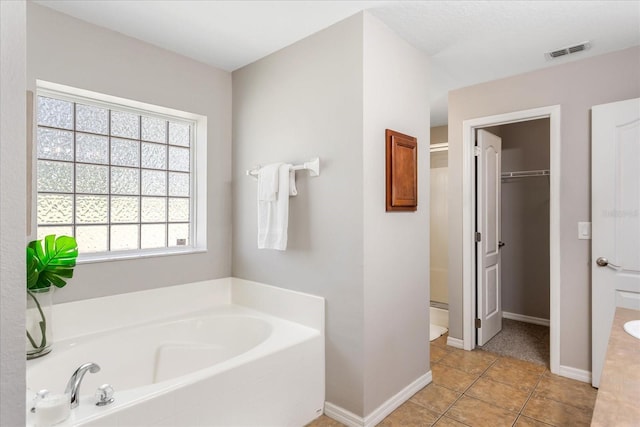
[{"x": 479, "y": 388}]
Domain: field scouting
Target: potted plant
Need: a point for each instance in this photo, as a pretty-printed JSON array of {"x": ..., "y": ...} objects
[{"x": 50, "y": 261}]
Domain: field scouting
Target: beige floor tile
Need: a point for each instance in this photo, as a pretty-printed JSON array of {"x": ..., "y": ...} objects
[
  {"x": 442, "y": 341},
  {"x": 473, "y": 362},
  {"x": 477, "y": 413},
  {"x": 522, "y": 364},
  {"x": 435, "y": 398},
  {"x": 567, "y": 391},
  {"x": 451, "y": 378},
  {"x": 556, "y": 413},
  {"x": 505, "y": 373},
  {"x": 498, "y": 394},
  {"x": 324, "y": 421},
  {"x": 529, "y": 422},
  {"x": 410, "y": 414},
  {"x": 438, "y": 352},
  {"x": 448, "y": 422}
]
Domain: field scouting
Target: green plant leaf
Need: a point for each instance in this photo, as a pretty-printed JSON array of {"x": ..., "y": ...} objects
[{"x": 55, "y": 260}]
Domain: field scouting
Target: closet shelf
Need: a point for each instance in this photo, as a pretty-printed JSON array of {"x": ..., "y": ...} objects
[{"x": 525, "y": 174}]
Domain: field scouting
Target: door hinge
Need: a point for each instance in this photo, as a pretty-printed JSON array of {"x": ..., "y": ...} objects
[
  {"x": 478, "y": 236},
  {"x": 478, "y": 323},
  {"x": 476, "y": 150}
]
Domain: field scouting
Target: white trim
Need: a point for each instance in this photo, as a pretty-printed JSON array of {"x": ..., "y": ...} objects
[
  {"x": 455, "y": 343},
  {"x": 439, "y": 316},
  {"x": 434, "y": 148},
  {"x": 468, "y": 221},
  {"x": 352, "y": 420},
  {"x": 575, "y": 374},
  {"x": 525, "y": 319}
]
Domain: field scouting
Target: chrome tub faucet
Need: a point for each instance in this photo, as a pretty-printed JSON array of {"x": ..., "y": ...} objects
[{"x": 73, "y": 386}]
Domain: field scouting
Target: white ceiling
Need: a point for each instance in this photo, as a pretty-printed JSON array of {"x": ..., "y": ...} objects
[{"x": 468, "y": 41}]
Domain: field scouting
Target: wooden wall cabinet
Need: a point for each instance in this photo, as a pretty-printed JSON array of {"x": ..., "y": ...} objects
[{"x": 401, "y": 172}]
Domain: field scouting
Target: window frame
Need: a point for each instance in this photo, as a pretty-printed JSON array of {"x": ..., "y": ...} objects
[{"x": 198, "y": 166}]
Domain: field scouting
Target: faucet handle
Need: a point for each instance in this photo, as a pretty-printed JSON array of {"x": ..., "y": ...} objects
[
  {"x": 39, "y": 396},
  {"x": 104, "y": 394}
]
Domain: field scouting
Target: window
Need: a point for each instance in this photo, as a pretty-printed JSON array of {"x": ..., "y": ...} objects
[{"x": 118, "y": 178}]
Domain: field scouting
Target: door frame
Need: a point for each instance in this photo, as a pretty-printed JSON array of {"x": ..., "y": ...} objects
[{"x": 469, "y": 219}]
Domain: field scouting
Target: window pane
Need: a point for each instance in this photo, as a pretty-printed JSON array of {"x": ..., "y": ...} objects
[
  {"x": 91, "y": 209},
  {"x": 153, "y": 236},
  {"x": 154, "y": 156},
  {"x": 124, "y": 237},
  {"x": 154, "y": 130},
  {"x": 125, "y": 152},
  {"x": 154, "y": 209},
  {"x": 125, "y": 181},
  {"x": 178, "y": 210},
  {"x": 178, "y": 134},
  {"x": 178, "y": 234},
  {"x": 154, "y": 183},
  {"x": 58, "y": 231},
  {"x": 55, "y": 176},
  {"x": 179, "y": 159},
  {"x": 55, "y": 209},
  {"x": 124, "y": 209},
  {"x": 55, "y": 144},
  {"x": 91, "y": 148},
  {"x": 92, "y": 179},
  {"x": 92, "y": 119},
  {"x": 125, "y": 124},
  {"x": 178, "y": 184},
  {"x": 91, "y": 238},
  {"x": 55, "y": 113}
]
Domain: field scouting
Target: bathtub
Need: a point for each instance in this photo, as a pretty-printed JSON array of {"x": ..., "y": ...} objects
[{"x": 226, "y": 352}]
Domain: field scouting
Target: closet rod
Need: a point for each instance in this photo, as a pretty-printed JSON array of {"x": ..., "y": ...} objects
[{"x": 525, "y": 174}]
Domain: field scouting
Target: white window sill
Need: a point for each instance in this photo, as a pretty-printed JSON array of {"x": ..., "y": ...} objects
[{"x": 128, "y": 255}]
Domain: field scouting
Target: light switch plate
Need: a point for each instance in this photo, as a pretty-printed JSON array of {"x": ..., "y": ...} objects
[{"x": 584, "y": 230}]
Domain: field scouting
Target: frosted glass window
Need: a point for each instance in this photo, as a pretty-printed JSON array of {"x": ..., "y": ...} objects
[
  {"x": 55, "y": 113},
  {"x": 179, "y": 134},
  {"x": 92, "y": 148},
  {"x": 179, "y": 159},
  {"x": 55, "y": 144},
  {"x": 92, "y": 119},
  {"x": 92, "y": 209},
  {"x": 125, "y": 209},
  {"x": 154, "y": 156},
  {"x": 92, "y": 179},
  {"x": 55, "y": 208},
  {"x": 125, "y": 152},
  {"x": 153, "y": 236},
  {"x": 55, "y": 176},
  {"x": 125, "y": 181},
  {"x": 124, "y": 237},
  {"x": 154, "y": 129},
  {"x": 154, "y": 209},
  {"x": 126, "y": 125},
  {"x": 178, "y": 210},
  {"x": 92, "y": 238},
  {"x": 114, "y": 176}
]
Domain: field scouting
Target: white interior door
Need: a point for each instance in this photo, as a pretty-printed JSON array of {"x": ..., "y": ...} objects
[
  {"x": 615, "y": 213},
  {"x": 489, "y": 305}
]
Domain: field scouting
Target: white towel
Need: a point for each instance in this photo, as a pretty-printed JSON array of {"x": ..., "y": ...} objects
[
  {"x": 273, "y": 215},
  {"x": 268, "y": 182}
]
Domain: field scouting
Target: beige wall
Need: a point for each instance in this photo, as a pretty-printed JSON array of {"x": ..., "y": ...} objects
[
  {"x": 439, "y": 227},
  {"x": 439, "y": 134},
  {"x": 12, "y": 206},
  {"x": 320, "y": 97},
  {"x": 575, "y": 86},
  {"x": 525, "y": 220},
  {"x": 65, "y": 50}
]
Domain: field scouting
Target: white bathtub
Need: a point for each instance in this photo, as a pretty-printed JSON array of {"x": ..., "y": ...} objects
[{"x": 227, "y": 352}]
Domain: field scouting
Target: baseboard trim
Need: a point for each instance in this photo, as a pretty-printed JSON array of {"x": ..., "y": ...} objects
[
  {"x": 575, "y": 374},
  {"x": 352, "y": 420},
  {"x": 526, "y": 319},
  {"x": 455, "y": 342}
]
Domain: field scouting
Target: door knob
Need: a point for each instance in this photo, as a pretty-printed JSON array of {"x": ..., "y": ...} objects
[
  {"x": 501, "y": 244},
  {"x": 602, "y": 262}
]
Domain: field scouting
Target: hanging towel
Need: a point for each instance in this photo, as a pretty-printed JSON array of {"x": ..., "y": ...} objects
[
  {"x": 268, "y": 182},
  {"x": 273, "y": 215}
]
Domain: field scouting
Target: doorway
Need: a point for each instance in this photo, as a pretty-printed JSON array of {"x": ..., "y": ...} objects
[{"x": 470, "y": 218}]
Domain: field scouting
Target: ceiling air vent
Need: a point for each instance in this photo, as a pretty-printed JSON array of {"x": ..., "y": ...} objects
[{"x": 568, "y": 50}]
